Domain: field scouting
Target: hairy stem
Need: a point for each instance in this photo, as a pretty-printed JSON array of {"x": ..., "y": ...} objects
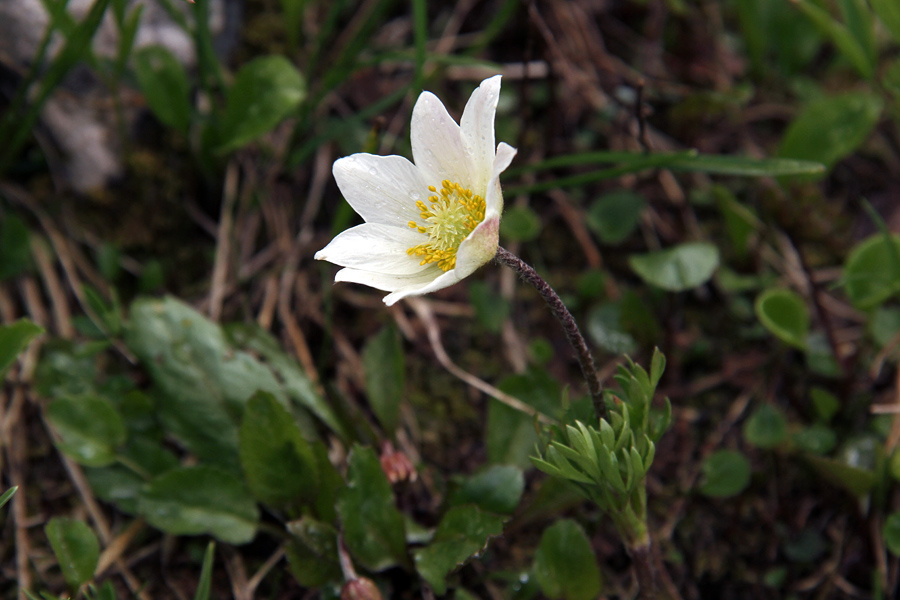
[{"x": 562, "y": 314}]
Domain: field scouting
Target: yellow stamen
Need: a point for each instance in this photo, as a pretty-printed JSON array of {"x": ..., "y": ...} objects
[{"x": 448, "y": 218}]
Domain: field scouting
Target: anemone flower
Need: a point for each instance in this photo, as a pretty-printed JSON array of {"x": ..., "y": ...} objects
[{"x": 429, "y": 224}]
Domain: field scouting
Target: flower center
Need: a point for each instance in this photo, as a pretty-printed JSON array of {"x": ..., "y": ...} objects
[{"x": 448, "y": 218}]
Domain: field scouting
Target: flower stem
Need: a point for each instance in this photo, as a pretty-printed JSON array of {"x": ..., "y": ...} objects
[{"x": 562, "y": 314}]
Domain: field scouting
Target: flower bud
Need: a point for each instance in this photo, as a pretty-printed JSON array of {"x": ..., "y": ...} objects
[{"x": 360, "y": 589}]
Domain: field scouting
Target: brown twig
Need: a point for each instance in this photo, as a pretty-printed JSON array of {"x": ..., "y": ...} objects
[
  {"x": 565, "y": 318},
  {"x": 433, "y": 331}
]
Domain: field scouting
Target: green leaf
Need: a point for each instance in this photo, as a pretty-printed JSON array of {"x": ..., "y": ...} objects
[
  {"x": 279, "y": 466},
  {"x": 5, "y": 496},
  {"x": 883, "y": 325},
  {"x": 615, "y": 215},
  {"x": 13, "y": 340},
  {"x": 604, "y": 326},
  {"x": 889, "y": 13},
  {"x": 872, "y": 271},
  {"x": 373, "y": 527},
  {"x": 740, "y": 221},
  {"x": 266, "y": 90},
  {"x": 826, "y": 404},
  {"x": 165, "y": 86},
  {"x": 462, "y": 533},
  {"x": 197, "y": 500},
  {"x": 510, "y": 434},
  {"x": 816, "y": 439},
  {"x": 785, "y": 315},
  {"x": 497, "y": 489},
  {"x": 565, "y": 565},
  {"x": 76, "y": 548},
  {"x": 842, "y": 37},
  {"x": 831, "y": 128},
  {"x": 725, "y": 473},
  {"x": 491, "y": 309},
  {"x": 297, "y": 384},
  {"x": 15, "y": 247},
  {"x": 205, "y": 381},
  {"x": 746, "y": 167},
  {"x": 858, "y": 481},
  {"x": 313, "y": 552},
  {"x": 118, "y": 485},
  {"x": 520, "y": 224},
  {"x": 89, "y": 427},
  {"x": 766, "y": 428},
  {"x": 384, "y": 366},
  {"x": 891, "y": 533},
  {"x": 203, "y": 586},
  {"x": 677, "y": 269}
]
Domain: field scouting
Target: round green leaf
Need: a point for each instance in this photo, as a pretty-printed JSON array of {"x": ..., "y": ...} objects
[
  {"x": 725, "y": 473},
  {"x": 89, "y": 427},
  {"x": 266, "y": 90},
  {"x": 891, "y": 533},
  {"x": 565, "y": 565},
  {"x": 677, "y": 269},
  {"x": 830, "y": 128},
  {"x": 197, "y": 500},
  {"x": 766, "y": 428},
  {"x": 785, "y": 315},
  {"x": 817, "y": 439},
  {"x": 76, "y": 548},
  {"x": 615, "y": 216},
  {"x": 872, "y": 271},
  {"x": 520, "y": 224},
  {"x": 165, "y": 86}
]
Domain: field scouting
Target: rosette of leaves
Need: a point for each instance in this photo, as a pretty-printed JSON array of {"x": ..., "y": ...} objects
[{"x": 609, "y": 463}]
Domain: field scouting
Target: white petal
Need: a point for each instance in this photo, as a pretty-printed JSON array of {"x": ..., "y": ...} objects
[
  {"x": 479, "y": 247},
  {"x": 493, "y": 197},
  {"x": 477, "y": 128},
  {"x": 382, "y": 189},
  {"x": 446, "y": 280},
  {"x": 437, "y": 145},
  {"x": 376, "y": 248},
  {"x": 388, "y": 283}
]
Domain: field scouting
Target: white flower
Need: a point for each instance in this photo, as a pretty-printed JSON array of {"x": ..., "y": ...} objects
[{"x": 432, "y": 223}]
